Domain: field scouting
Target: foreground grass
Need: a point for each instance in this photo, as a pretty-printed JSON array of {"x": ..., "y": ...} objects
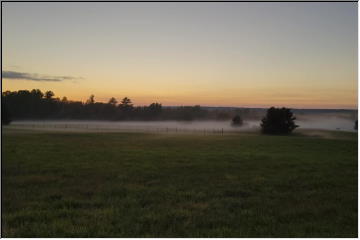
[{"x": 143, "y": 185}]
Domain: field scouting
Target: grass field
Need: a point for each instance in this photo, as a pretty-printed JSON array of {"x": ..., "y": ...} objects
[{"x": 158, "y": 185}]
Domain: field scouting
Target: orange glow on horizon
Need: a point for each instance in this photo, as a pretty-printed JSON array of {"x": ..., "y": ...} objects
[{"x": 251, "y": 99}]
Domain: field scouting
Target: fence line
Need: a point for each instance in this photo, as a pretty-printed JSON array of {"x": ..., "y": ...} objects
[{"x": 69, "y": 127}]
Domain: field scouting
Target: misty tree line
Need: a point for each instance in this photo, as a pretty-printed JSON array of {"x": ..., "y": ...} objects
[{"x": 36, "y": 105}]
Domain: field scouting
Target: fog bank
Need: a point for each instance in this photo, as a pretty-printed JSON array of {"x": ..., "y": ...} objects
[{"x": 315, "y": 122}]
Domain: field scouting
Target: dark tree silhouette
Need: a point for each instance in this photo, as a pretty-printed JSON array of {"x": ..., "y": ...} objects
[
  {"x": 278, "y": 121},
  {"x": 36, "y": 105},
  {"x": 237, "y": 121},
  {"x": 112, "y": 101},
  {"x": 125, "y": 109},
  {"x": 91, "y": 99},
  {"x": 126, "y": 103},
  {"x": 153, "y": 111},
  {"x": 36, "y": 93},
  {"x": 48, "y": 94},
  {"x": 5, "y": 115}
]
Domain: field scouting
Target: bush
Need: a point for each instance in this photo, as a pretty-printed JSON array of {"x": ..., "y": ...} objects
[
  {"x": 278, "y": 121},
  {"x": 237, "y": 121}
]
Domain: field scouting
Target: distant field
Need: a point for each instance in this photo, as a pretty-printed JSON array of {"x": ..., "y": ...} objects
[
  {"x": 167, "y": 185},
  {"x": 306, "y": 122}
]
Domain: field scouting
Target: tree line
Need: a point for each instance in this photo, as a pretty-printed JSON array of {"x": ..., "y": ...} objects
[{"x": 36, "y": 105}]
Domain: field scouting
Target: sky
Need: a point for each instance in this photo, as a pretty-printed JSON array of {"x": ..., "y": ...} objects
[{"x": 298, "y": 55}]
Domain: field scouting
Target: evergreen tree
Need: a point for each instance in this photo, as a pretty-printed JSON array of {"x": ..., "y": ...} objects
[{"x": 278, "y": 121}]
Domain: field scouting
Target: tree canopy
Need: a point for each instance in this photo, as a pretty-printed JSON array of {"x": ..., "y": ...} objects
[
  {"x": 34, "y": 104},
  {"x": 278, "y": 121},
  {"x": 38, "y": 105}
]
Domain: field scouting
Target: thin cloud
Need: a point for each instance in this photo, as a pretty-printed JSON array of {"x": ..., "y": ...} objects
[{"x": 35, "y": 77}]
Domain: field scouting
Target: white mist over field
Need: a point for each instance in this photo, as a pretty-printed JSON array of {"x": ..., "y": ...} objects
[
  {"x": 308, "y": 122},
  {"x": 327, "y": 123}
]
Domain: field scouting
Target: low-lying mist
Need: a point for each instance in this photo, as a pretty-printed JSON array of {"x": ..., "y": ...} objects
[{"x": 321, "y": 122}]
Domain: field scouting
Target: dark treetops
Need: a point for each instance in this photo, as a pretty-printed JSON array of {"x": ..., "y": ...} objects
[
  {"x": 36, "y": 105},
  {"x": 278, "y": 121}
]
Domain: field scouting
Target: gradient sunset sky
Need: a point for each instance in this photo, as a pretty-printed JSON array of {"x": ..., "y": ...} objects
[{"x": 298, "y": 55}]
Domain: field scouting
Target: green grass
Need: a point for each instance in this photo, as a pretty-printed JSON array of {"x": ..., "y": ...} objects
[{"x": 147, "y": 185}]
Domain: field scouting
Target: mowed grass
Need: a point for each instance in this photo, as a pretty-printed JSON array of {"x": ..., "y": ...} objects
[{"x": 153, "y": 185}]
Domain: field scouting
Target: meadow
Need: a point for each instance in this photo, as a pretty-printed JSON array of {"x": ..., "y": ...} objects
[{"x": 179, "y": 185}]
